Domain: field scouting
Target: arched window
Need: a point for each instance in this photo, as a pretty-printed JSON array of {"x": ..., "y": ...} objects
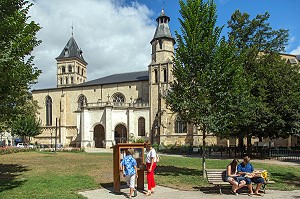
[
  {"x": 155, "y": 76},
  {"x": 82, "y": 101},
  {"x": 180, "y": 126},
  {"x": 141, "y": 126},
  {"x": 165, "y": 75},
  {"x": 67, "y": 80},
  {"x": 63, "y": 69},
  {"x": 61, "y": 80},
  {"x": 48, "y": 111},
  {"x": 72, "y": 80},
  {"x": 70, "y": 68},
  {"x": 82, "y": 72},
  {"x": 78, "y": 69},
  {"x": 160, "y": 44},
  {"x": 118, "y": 98}
]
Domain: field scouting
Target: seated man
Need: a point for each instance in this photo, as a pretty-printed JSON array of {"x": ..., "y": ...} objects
[{"x": 245, "y": 169}]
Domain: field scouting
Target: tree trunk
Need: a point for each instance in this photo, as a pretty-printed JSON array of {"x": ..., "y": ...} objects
[{"x": 203, "y": 154}]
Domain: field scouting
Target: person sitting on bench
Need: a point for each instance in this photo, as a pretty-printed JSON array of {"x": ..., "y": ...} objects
[
  {"x": 246, "y": 169},
  {"x": 231, "y": 177}
]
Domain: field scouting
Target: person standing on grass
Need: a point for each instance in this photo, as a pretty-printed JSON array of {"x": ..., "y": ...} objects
[
  {"x": 129, "y": 171},
  {"x": 246, "y": 169},
  {"x": 151, "y": 165}
]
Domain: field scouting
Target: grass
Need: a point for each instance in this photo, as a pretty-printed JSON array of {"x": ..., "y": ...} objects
[
  {"x": 63, "y": 175},
  {"x": 186, "y": 173}
]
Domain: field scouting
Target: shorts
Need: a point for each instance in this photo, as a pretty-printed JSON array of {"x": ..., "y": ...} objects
[
  {"x": 130, "y": 180},
  {"x": 227, "y": 179}
]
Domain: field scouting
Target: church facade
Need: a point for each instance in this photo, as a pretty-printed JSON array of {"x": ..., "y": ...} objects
[{"x": 118, "y": 108}]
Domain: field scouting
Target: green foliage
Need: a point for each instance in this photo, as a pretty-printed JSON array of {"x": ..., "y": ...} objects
[
  {"x": 194, "y": 54},
  {"x": 26, "y": 126},
  {"x": 209, "y": 89},
  {"x": 17, "y": 71},
  {"x": 274, "y": 102}
]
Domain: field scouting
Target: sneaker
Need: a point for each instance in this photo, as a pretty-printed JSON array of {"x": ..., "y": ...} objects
[
  {"x": 234, "y": 193},
  {"x": 135, "y": 193}
]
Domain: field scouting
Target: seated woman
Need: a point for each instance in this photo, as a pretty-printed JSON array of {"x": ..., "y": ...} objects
[{"x": 232, "y": 177}]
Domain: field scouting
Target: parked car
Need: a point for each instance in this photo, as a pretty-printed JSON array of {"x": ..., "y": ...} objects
[
  {"x": 59, "y": 145},
  {"x": 24, "y": 145},
  {"x": 21, "y": 145},
  {"x": 44, "y": 146}
]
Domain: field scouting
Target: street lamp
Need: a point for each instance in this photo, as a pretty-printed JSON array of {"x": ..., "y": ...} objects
[
  {"x": 51, "y": 139},
  {"x": 1, "y": 137}
]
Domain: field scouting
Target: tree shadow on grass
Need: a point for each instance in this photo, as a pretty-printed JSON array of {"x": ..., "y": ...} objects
[
  {"x": 176, "y": 171},
  {"x": 287, "y": 178},
  {"x": 8, "y": 175}
]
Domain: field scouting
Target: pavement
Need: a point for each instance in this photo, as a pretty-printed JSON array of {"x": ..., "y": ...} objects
[{"x": 169, "y": 193}]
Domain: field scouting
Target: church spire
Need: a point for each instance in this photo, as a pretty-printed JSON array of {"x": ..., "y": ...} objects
[
  {"x": 71, "y": 50},
  {"x": 162, "y": 29}
]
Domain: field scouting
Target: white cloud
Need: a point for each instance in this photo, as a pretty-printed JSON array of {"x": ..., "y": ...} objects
[
  {"x": 296, "y": 51},
  {"x": 113, "y": 36}
]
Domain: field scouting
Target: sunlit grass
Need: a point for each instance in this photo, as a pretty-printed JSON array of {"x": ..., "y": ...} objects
[{"x": 63, "y": 175}]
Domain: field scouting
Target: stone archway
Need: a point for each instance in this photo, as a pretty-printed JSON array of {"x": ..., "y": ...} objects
[
  {"x": 121, "y": 134},
  {"x": 99, "y": 136}
]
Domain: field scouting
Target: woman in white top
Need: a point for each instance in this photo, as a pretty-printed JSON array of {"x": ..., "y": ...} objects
[
  {"x": 151, "y": 165},
  {"x": 232, "y": 177}
]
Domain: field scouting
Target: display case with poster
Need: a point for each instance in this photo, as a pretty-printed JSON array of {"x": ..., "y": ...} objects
[{"x": 119, "y": 152}]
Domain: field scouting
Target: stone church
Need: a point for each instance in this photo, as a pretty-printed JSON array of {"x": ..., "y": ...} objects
[{"x": 117, "y": 108}]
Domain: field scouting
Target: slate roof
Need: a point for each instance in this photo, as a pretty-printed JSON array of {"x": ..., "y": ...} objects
[
  {"x": 71, "y": 50},
  {"x": 162, "y": 30},
  {"x": 119, "y": 78}
]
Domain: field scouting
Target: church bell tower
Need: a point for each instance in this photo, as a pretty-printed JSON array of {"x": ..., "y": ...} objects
[
  {"x": 160, "y": 76},
  {"x": 71, "y": 66}
]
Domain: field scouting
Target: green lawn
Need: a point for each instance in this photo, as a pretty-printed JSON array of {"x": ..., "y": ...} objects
[
  {"x": 62, "y": 175},
  {"x": 186, "y": 173}
]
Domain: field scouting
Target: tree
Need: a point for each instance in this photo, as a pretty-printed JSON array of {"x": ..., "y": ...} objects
[
  {"x": 274, "y": 105},
  {"x": 206, "y": 71},
  {"x": 26, "y": 126},
  {"x": 17, "y": 71}
]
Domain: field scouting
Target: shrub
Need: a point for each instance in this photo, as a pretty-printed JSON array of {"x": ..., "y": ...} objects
[{"x": 10, "y": 149}]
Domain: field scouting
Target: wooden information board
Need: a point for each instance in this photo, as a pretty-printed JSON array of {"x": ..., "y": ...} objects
[{"x": 119, "y": 152}]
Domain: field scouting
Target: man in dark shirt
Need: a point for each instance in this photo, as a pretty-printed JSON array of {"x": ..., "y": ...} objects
[{"x": 246, "y": 169}]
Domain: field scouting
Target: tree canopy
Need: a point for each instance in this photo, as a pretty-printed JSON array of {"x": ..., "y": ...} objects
[
  {"x": 238, "y": 86},
  {"x": 17, "y": 71},
  {"x": 274, "y": 88},
  {"x": 26, "y": 126}
]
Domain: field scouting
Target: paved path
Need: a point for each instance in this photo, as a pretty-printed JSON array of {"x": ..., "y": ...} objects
[{"x": 168, "y": 193}]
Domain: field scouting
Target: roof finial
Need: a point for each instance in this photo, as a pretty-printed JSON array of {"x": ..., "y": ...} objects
[
  {"x": 72, "y": 28},
  {"x": 162, "y": 10}
]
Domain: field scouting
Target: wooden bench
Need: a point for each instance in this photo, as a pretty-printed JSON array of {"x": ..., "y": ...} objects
[{"x": 215, "y": 177}]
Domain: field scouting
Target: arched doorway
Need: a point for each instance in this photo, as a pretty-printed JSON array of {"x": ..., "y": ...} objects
[
  {"x": 120, "y": 134},
  {"x": 99, "y": 136}
]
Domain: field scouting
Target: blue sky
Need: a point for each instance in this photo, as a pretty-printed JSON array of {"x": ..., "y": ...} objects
[
  {"x": 115, "y": 35},
  {"x": 283, "y": 14}
]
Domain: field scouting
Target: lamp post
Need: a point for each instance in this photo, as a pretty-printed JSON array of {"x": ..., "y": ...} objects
[
  {"x": 51, "y": 139},
  {"x": 1, "y": 138}
]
